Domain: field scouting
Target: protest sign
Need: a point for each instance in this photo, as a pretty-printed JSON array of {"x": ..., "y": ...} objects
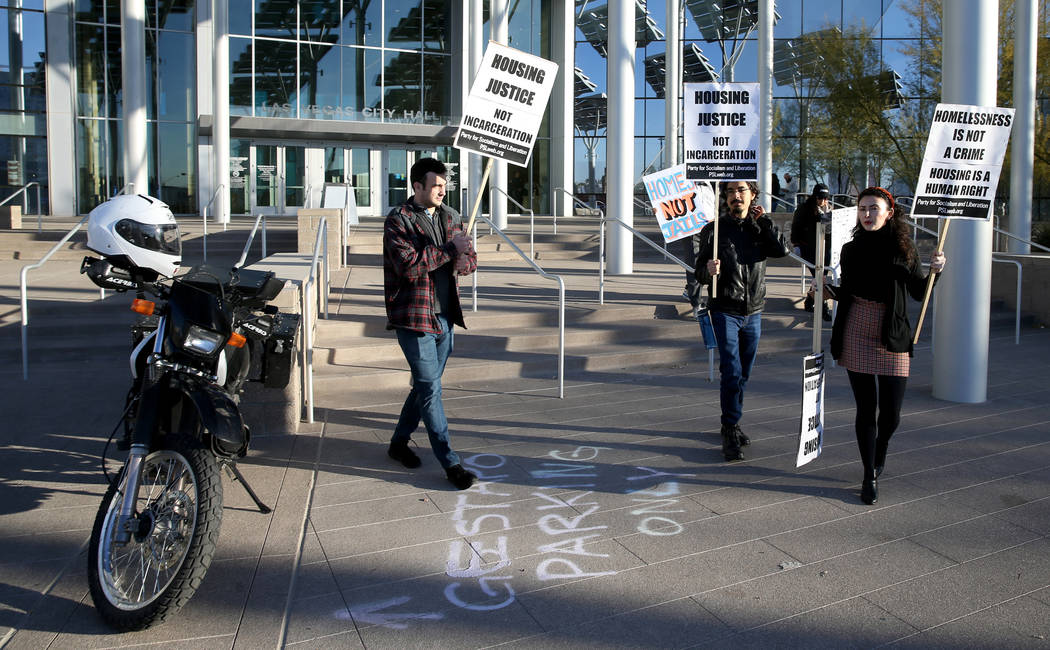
[
  {"x": 961, "y": 164},
  {"x": 721, "y": 131},
  {"x": 811, "y": 428},
  {"x": 502, "y": 114},
  {"x": 843, "y": 220},
  {"x": 682, "y": 207}
]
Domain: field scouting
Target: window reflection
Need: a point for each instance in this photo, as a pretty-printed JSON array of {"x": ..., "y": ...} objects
[
  {"x": 240, "y": 76},
  {"x": 404, "y": 24},
  {"x": 319, "y": 21},
  {"x": 362, "y": 22},
  {"x": 275, "y": 82},
  {"x": 275, "y": 18},
  {"x": 403, "y": 74}
]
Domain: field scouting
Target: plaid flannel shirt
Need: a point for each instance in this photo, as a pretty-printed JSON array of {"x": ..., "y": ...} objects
[{"x": 410, "y": 259}]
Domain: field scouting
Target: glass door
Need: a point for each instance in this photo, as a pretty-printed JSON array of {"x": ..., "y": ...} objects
[{"x": 278, "y": 175}]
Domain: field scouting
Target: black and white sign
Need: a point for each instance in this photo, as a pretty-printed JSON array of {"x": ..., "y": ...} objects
[
  {"x": 503, "y": 112},
  {"x": 811, "y": 431},
  {"x": 721, "y": 131},
  {"x": 963, "y": 158},
  {"x": 843, "y": 221}
]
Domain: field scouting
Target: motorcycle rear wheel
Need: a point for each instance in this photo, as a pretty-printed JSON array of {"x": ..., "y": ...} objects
[{"x": 141, "y": 583}]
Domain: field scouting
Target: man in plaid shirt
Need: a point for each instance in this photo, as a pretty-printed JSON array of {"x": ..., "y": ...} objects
[{"x": 424, "y": 249}]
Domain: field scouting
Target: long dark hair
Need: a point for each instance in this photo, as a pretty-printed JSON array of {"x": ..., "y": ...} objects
[{"x": 900, "y": 228}]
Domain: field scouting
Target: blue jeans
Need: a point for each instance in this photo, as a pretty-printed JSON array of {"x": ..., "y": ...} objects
[
  {"x": 426, "y": 355},
  {"x": 737, "y": 345}
]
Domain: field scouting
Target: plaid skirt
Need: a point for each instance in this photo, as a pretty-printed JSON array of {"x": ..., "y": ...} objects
[{"x": 862, "y": 348}]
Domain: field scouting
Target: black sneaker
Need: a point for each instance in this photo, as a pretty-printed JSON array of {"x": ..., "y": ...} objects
[
  {"x": 460, "y": 477},
  {"x": 808, "y": 305},
  {"x": 731, "y": 444},
  {"x": 741, "y": 437},
  {"x": 826, "y": 313},
  {"x": 404, "y": 455}
]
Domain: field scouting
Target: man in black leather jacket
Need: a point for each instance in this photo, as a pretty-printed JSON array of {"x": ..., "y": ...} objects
[{"x": 746, "y": 237}]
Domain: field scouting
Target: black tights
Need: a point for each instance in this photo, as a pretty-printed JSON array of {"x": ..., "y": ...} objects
[{"x": 873, "y": 434}]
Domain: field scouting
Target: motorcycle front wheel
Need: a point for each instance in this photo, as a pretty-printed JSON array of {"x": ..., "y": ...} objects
[{"x": 179, "y": 513}]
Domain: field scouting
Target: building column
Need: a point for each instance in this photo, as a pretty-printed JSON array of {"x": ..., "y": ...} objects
[
  {"x": 962, "y": 299},
  {"x": 1022, "y": 151},
  {"x": 133, "y": 92},
  {"x": 476, "y": 31},
  {"x": 672, "y": 83},
  {"x": 221, "y": 110},
  {"x": 499, "y": 17},
  {"x": 619, "y": 174},
  {"x": 562, "y": 171},
  {"x": 765, "y": 93},
  {"x": 61, "y": 114}
]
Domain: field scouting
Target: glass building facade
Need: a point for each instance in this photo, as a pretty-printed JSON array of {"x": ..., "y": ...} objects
[{"x": 353, "y": 91}]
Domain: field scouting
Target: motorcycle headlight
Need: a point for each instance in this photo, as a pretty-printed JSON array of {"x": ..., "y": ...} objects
[{"x": 202, "y": 341}]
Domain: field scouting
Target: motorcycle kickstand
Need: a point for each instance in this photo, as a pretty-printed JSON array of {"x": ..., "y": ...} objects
[{"x": 236, "y": 475}]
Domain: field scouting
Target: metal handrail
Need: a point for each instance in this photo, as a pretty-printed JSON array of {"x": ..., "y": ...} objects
[
  {"x": 1017, "y": 310},
  {"x": 1017, "y": 297},
  {"x": 204, "y": 217},
  {"x": 251, "y": 237},
  {"x": 25, "y": 202},
  {"x": 24, "y": 289},
  {"x": 1020, "y": 239},
  {"x": 561, "y": 301},
  {"x": 601, "y": 253},
  {"x": 320, "y": 249},
  {"x": 574, "y": 200},
  {"x": 532, "y": 220}
]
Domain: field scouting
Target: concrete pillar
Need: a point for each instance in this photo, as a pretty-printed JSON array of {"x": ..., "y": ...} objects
[
  {"x": 1022, "y": 151},
  {"x": 499, "y": 15},
  {"x": 619, "y": 173},
  {"x": 765, "y": 92},
  {"x": 561, "y": 107},
  {"x": 672, "y": 83},
  {"x": 61, "y": 118},
  {"x": 476, "y": 45},
  {"x": 962, "y": 303},
  {"x": 133, "y": 92},
  {"x": 221, "y": 110}
]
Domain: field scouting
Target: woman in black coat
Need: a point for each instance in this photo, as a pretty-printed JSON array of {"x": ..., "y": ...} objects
[
  {"x": 872, "y": 336},
  {"x": 804, "y": 235}
]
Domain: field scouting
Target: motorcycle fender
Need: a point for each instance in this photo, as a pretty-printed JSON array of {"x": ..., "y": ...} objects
[{"x": 220, "y": 415}]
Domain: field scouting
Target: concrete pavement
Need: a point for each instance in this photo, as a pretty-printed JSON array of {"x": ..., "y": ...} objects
[{"x": 606, "y": 519}]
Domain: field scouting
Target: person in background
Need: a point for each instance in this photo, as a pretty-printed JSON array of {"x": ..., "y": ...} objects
[
  {"x": 790, "y": 187},
  {"x": 746, "y": 237},
  {"x": 872, "y": 336},
  {"x": 424, "y": 249},
  {"x": 804, "y": 236},
  {"x": 775, "y": 189}
]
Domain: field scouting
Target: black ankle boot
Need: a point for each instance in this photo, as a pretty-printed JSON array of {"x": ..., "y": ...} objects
[
  {"x": 869, "y": 491},
  {"x": 731, "y": 444},
  {"x": 808, "y": 305}
]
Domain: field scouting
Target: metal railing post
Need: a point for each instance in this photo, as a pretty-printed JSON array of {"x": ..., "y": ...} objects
[
  {"x": 24, "y": 293},
  {"x": 561, "y": 301}
]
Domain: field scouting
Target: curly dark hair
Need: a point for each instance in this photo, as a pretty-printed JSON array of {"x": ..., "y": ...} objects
[
  {"x": 420, "y": 169},
  {"x": 897, "y": 224}
]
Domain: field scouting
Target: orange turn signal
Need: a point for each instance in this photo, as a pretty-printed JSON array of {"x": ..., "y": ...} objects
[
  {"x": 237, "y": 340},
  {"x": 144, "y": 307}
]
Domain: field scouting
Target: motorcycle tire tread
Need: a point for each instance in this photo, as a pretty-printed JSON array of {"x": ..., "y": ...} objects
[{"x": 198, "y": 558}]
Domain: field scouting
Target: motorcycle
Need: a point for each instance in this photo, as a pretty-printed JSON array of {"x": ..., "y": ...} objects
[{"x": 201, "y": 337}]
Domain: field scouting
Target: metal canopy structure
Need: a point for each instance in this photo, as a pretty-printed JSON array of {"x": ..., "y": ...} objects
[
  {"x": 594, "y": 24},
  {"x": 583, "y": 84},
  {"x": 591, "y": 112},
  {"x": 720, "y": 20},
  {"x": 798, "y": 60},
  {"x": 695, "y": 68}
]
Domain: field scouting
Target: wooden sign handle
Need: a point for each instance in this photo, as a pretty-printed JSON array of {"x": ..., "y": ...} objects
[
  {"x": 480, "y": 194},
  {"x": 929, "y": 282},
  {"x": 714, "y": 256}
]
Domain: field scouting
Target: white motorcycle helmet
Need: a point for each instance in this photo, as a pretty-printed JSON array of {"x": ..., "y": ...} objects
[{"x": 137, "y": 233}]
